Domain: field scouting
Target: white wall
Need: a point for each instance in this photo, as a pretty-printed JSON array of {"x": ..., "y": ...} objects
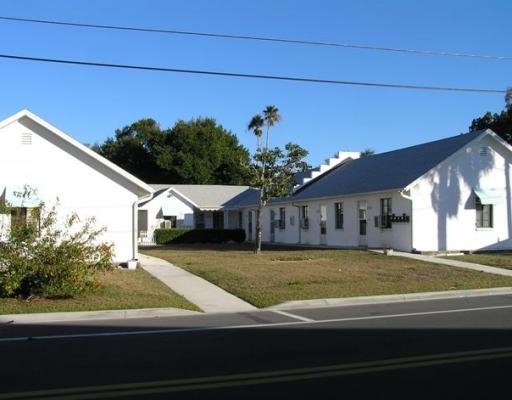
[
  {"x": 62, "y": 172},
  {"x": 397, "y": 237},
  {"x": 180, "y": 208},
  {"x": 444, "y": 202}
]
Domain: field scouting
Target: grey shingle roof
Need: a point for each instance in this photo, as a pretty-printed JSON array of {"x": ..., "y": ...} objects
[
  {"x": 248, "y": 198},
  {"x": 206, "y": 197},
  {"x": 392, "y": 170}
]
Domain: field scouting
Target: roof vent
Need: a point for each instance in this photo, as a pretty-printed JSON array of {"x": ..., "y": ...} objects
[
  {"x": 484, "y": 151},
  {"x": 26, "y": 138}
]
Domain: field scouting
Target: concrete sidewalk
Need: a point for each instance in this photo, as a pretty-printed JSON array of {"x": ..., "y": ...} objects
[
  {"x": 454, "y": 263},
  {"x": 205, "y": 295}
]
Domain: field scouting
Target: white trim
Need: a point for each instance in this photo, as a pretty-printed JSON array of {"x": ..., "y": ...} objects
[
  {"x": 145, "y": 188},
  {"x": 181, "y": 195}
]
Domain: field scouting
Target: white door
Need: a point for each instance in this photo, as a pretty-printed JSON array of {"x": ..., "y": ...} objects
[
  {"x": 249, "y": 226},
  {"x": 323, "y": 225},
  {"x": 362, "y": 217}
]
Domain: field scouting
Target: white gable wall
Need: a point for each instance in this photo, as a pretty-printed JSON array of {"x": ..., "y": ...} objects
[
  {"x": 444, "y": 212},
  {"x": 183, "y": 211},
  {"x": 61, "y": 171}
]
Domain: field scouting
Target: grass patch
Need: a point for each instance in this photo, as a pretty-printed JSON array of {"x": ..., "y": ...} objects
[
  {"x": 502, "y": 259},
  {"x": 120, "y": 289},
  {"x": 287, "y": 273}
]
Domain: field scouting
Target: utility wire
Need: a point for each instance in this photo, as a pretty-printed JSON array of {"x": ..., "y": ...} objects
[
  {"x": 253, "y": 76},
  {"x": 263, "y": 39}
]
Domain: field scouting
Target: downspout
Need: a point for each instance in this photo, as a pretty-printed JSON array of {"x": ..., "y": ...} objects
[
  {"x": 408, "y": 197},
  {"x": 135, "y": 230},
  {"x": 298, "y": 223}
]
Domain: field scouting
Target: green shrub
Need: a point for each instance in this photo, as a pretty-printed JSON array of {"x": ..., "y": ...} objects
[
  {"x": 176, "y": 235},
  {"x": 50, "y": 259},
  {"x": 163, "y": 236}
]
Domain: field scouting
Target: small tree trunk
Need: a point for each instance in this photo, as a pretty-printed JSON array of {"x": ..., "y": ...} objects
[
  {"x": 259, "y": 224},
  {"x": 259, "y": 233}
]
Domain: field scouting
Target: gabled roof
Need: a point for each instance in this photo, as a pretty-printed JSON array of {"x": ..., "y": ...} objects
[
  {"x": 248, "y": 198},
  {"x": 204, "y": 197},
  {"x": 138, "y": 187},
  {"x": 393, "y": 170}
]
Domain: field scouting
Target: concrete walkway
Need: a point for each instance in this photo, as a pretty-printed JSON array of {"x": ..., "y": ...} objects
[
  {"x": 205, "y": 295},
  {"x": 454, "y": 263}
]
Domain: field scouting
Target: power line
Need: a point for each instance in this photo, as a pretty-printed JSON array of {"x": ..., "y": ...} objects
[
  {"x": 253, "y": 76},
  {"x": 264, "y": 39}
]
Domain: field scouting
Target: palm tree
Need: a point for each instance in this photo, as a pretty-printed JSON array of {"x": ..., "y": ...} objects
[
  {"x": 256, "y": 125},
  {"x": 272, "y": 117}
]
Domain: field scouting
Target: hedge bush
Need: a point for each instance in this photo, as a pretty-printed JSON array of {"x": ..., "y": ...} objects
[{"x": 177, "y": 235}]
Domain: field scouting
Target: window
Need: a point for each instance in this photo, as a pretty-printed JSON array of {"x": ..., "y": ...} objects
[
  {"x": 240, "y": 220},
  {"x": 385, "y": 213},
  {"x": 282, "y": 218},
  {"x": 483, "y": 214},
  {"x": 338, "y": 212},
  {"x": 22, "y": 218},
  {"x": 18, "y": 217},
  {"x": 304, "y": 217}
]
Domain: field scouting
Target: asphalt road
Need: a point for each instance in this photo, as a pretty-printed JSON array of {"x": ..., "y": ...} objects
[{"x": 458, "y": 348}]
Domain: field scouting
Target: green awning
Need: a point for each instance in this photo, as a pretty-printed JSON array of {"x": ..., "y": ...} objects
[
  {"x": 490, "y": 196},
  {"x": 23, "y": 196}
]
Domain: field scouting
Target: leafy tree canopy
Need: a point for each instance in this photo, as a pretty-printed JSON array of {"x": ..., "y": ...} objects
[
  {"x": 500, "y": 123},
  {"x": 367, "y": 152},
  {"x": 278, "y": 177},
  {"x": 198, "y": 151}
]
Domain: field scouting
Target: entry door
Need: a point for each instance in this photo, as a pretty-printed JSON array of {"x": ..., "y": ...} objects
[
  {"x": 362, "y": 216},
  {"x": 323, "y": 225},
  {"x": 272, "y": 226},
  {"x": 249, "y": 226}
]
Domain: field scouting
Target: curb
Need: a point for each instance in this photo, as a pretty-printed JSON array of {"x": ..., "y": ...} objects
[
  {"x": 289, "y": 305},
  {"x": 391, "y": 298},
  {"x": 94, "y": 315}
]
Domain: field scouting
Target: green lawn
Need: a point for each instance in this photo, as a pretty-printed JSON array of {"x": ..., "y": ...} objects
[
  {"x": 502, "y": 260},
  {"x": 120, "y": 289},
  {"x": 281, "y": 274}
]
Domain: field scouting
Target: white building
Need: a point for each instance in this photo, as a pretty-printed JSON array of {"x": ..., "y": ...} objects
[
  {"x": 61, "y": 170},
  {"x": 448, "y": 195},
  {"x": 189, "y": 206}
]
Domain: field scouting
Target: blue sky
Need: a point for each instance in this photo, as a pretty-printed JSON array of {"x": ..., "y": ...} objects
[{"x": 89, "y": 103}]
